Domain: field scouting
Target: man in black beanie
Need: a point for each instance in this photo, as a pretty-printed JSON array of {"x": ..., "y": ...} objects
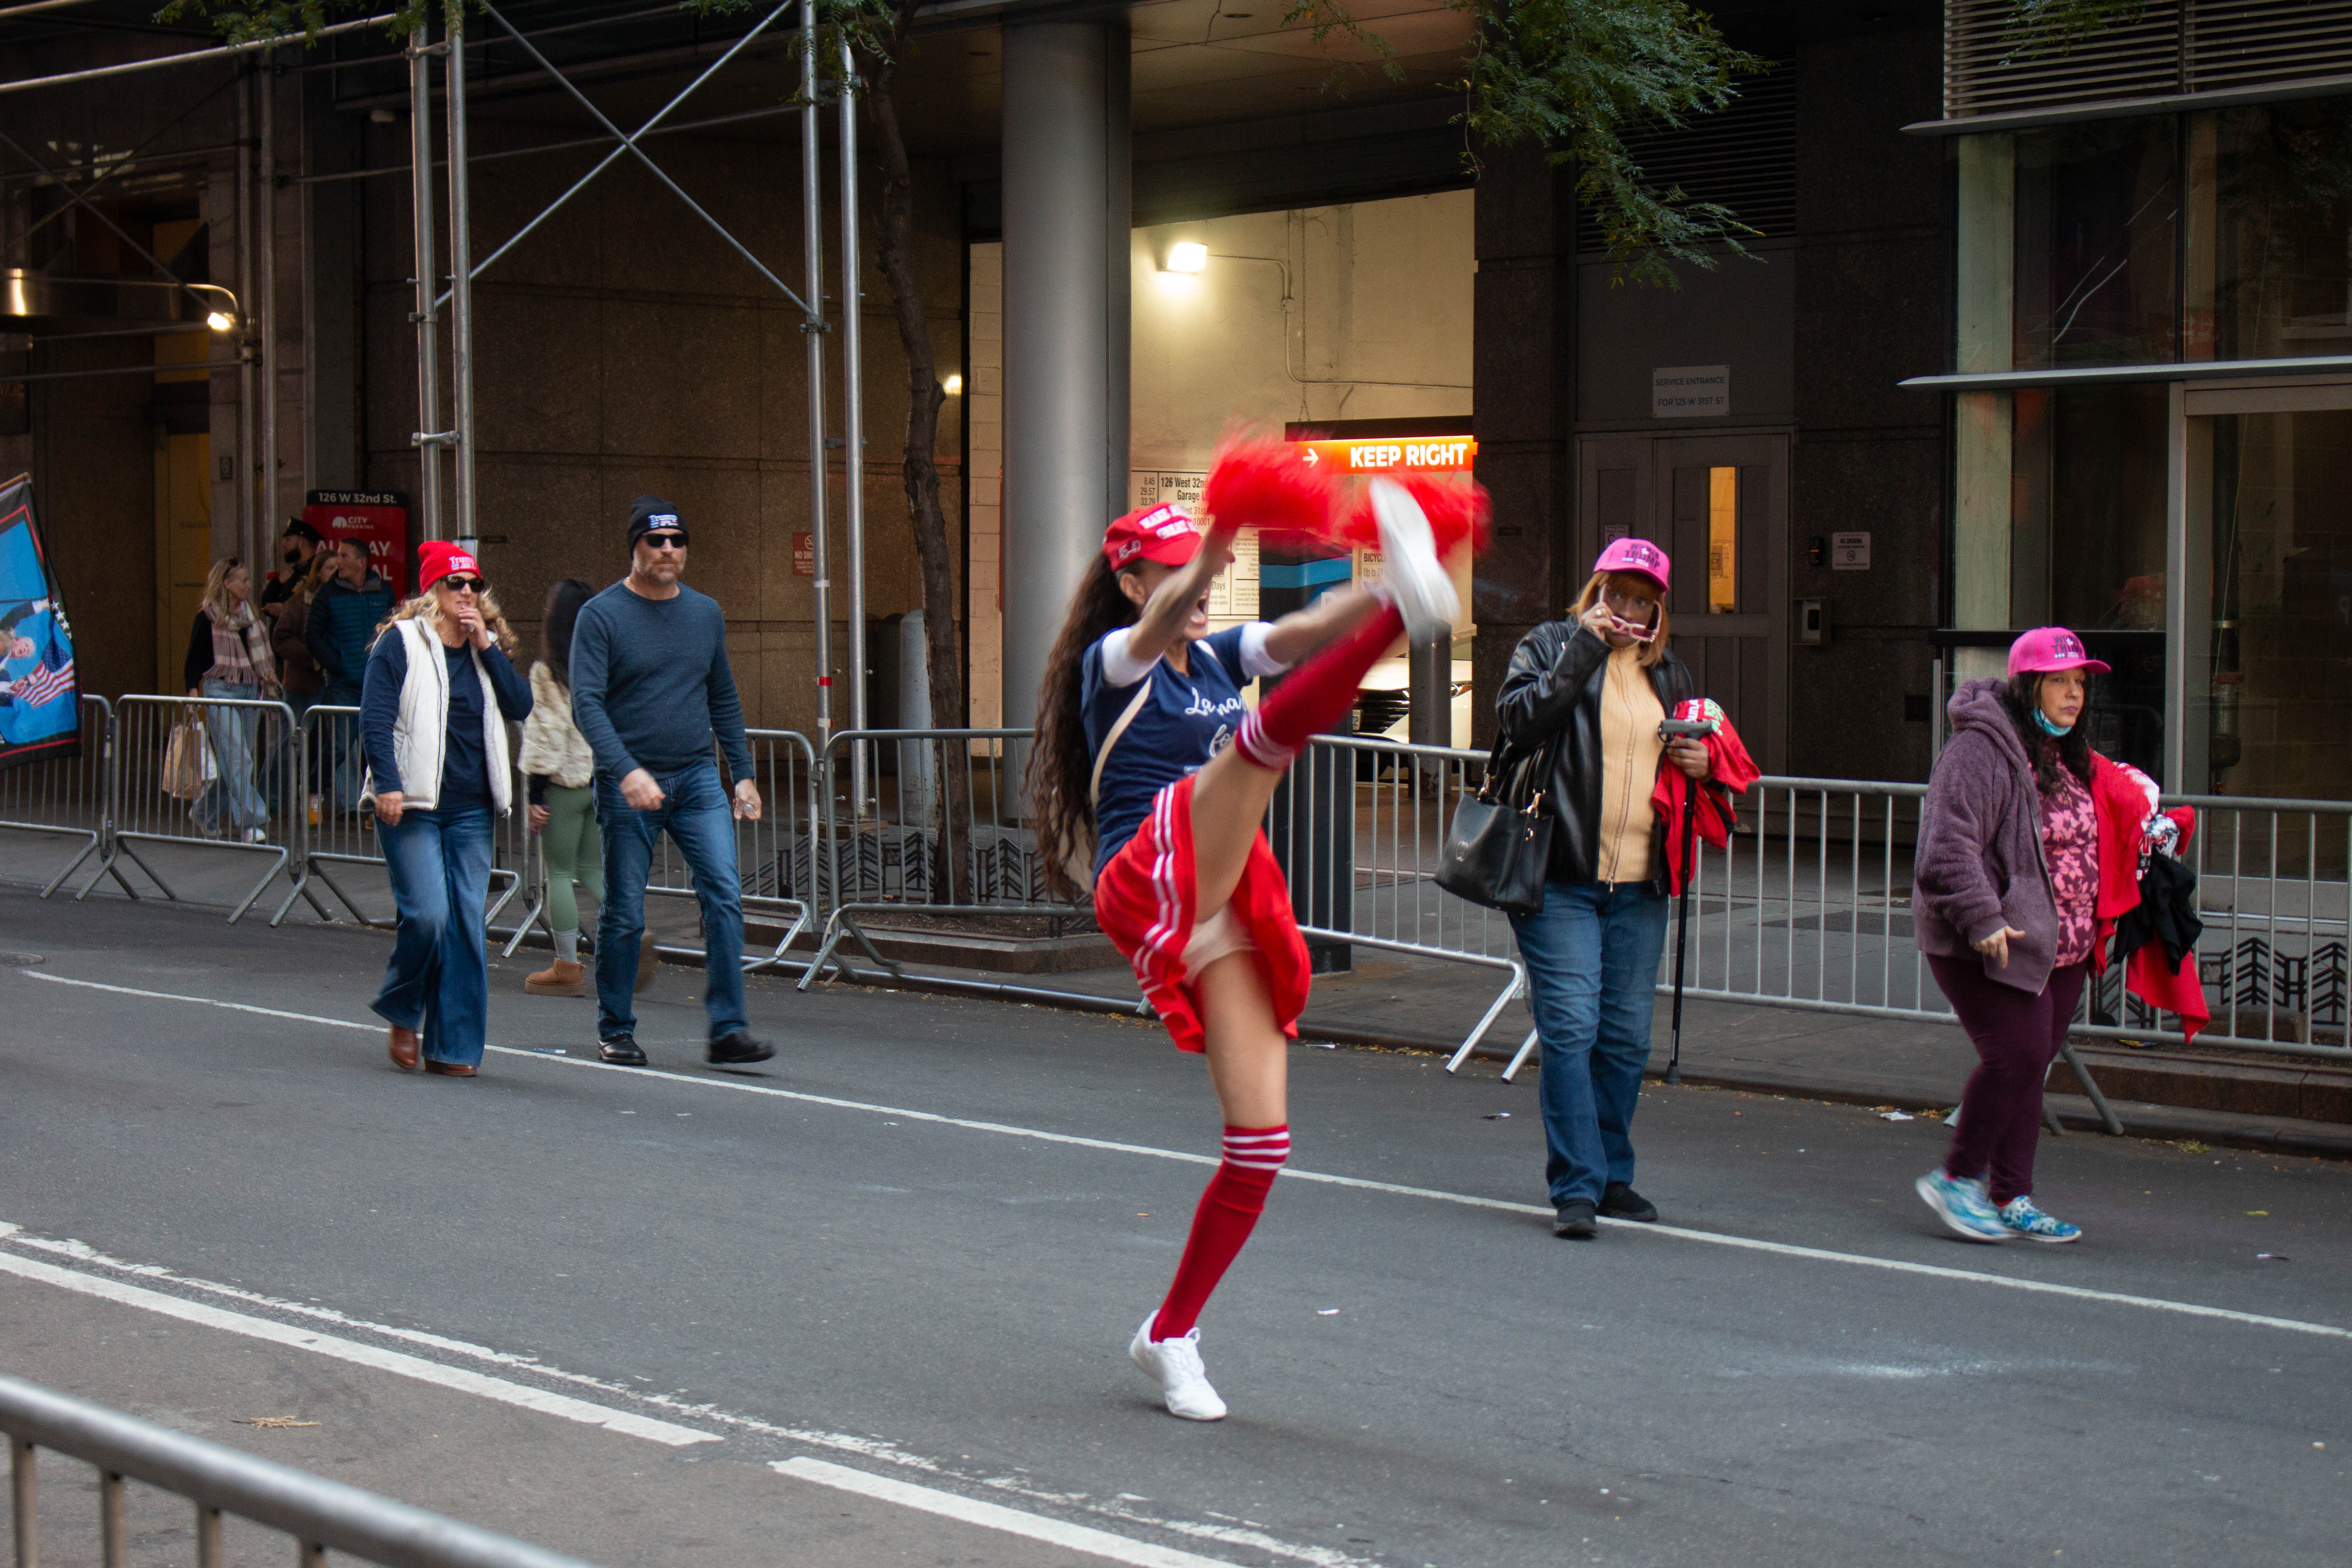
[{"x": 650, "y": 690}]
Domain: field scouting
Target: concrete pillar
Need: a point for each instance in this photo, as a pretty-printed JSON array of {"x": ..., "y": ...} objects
[{"x": 1066, "y": 326}]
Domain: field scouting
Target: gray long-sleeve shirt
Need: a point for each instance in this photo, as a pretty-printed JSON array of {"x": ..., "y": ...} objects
[{"x": 651, "y": 686}]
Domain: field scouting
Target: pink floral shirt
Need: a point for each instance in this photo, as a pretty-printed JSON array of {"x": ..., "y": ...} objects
[{"x": 2069, "y": 841}]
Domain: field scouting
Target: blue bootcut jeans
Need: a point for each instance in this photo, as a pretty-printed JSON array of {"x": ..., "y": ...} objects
[
  {"x": 1593, "y": 961},
  {"x": 438, "y": 981},
  {"x": 696, "y": 812}
]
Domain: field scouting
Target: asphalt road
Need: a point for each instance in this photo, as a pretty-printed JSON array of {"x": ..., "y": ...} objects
[{"x": 914, "y": 1247}]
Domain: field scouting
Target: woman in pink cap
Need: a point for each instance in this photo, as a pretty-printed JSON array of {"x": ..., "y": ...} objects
[
  {"x": 2005, "y": 905},
  {"x": 1599, "y": 682}
]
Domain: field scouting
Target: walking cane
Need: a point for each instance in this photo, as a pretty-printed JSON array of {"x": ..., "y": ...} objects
[{"x": 1681, "y": 923}]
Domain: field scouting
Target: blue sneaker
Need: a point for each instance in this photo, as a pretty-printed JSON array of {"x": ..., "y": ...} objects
[
  {"x": 2024, "y": 1217},
  {"x": 1963, "y": 1206}
]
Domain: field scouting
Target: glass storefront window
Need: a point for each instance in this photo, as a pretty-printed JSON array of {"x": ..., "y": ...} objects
[
  {"x": 2087, "y": 546},
  {"x": 2269, "y": 239},
  {"x": 2273, "y": 665},
  {"x": 2098, "y": 210}
]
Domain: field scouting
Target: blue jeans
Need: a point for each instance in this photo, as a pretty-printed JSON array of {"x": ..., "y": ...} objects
[
  {"x": 335, "y": 761},
  {"x": 231, "y": 800},
  {"x": 694, "y": 809},
  {"x": 1592, "y": 965},
  {"x": 438, "y": 980}
]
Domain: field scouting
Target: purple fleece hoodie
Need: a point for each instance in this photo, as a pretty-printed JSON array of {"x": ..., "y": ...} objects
[{"x": 1980, "y": 865}]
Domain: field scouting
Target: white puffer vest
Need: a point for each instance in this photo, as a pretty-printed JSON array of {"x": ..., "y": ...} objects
[{"x": 420, "y": 736}]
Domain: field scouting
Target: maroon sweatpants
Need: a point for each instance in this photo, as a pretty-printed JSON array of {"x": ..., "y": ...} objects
[{"x": 2017, "y": 1037}]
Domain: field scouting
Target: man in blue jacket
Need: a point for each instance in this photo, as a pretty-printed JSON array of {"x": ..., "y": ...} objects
[
  {"x": 651, "y": 689},
  {"x": 345, "y": 614}
]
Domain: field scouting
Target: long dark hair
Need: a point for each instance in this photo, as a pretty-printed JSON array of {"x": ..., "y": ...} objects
[
  {"x": 555, "y": 623},
  {"x": 2048, "y": 753},
  {"x": 1061, "y": 765}
]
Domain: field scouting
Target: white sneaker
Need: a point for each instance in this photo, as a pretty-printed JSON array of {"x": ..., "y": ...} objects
[
  {"x": 1175, "y": 1365},
  {"x": 1416, "y": 579}
]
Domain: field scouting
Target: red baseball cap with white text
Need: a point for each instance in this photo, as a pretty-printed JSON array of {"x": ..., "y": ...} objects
[{"x": 1165, "y": 533}]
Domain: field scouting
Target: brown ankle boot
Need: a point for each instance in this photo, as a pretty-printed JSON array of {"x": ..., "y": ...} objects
[{"x": 559, "y": 978}]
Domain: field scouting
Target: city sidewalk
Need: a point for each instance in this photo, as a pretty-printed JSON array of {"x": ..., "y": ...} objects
[{"x": 1396, "y": 1001}]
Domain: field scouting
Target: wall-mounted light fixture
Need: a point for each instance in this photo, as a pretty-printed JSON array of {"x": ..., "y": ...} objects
[
  {"x": 952, "y": 386},
  {"x": 1185, "y": 255}
]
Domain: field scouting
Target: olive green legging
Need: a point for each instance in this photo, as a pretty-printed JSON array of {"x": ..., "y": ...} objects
[{"x": 574, "y": 852}]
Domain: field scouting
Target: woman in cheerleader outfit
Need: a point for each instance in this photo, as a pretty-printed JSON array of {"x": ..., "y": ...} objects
[{"x": 1146, "y": 756}]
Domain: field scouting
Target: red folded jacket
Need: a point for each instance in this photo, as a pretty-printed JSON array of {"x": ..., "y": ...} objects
[{"x": 1732, "y": 773}]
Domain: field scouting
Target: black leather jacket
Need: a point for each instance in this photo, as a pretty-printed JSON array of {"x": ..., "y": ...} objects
[{"x": 1554, "y": 680}]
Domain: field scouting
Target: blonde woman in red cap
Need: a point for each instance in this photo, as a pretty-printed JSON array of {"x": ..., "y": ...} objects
[
  {"x": 1148, "y": 763},
  {"x": 433, "y": 706},
  {"x": 1597, "y": 683},
  {"x": 2005, "y": 903}
]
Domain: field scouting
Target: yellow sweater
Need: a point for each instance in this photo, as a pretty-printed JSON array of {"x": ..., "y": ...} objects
[{"x": 1630, "y": 751}]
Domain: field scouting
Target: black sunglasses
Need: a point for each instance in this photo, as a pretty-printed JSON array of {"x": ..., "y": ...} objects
[
  {"x": 673, "y": 539},
  {"x": 463, "y": 585}
]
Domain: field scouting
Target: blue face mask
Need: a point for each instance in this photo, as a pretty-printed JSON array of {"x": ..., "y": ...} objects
[{"x": 2055, "y": 731}]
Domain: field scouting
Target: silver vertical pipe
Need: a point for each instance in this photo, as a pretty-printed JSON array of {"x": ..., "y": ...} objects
[
  {"x": 244, "y": 306},
  {"x": 461, "y": 285},
  {"x": 428, "y": 348},
  {"x": 266, "y": 223},
  {"x": 812, "y": 259},
  {"x": 853, "y": 392}
]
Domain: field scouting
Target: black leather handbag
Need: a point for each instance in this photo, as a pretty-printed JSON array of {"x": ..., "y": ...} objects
[{"x": 1500, "y": 840}]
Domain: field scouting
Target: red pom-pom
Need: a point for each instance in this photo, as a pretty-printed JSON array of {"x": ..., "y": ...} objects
[
  {"x": 1261, "y": 483},
  {"x": 1457, "y": 509}
]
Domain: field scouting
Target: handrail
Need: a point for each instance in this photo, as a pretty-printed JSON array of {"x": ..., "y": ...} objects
[{"x": 319, "y": 1512}]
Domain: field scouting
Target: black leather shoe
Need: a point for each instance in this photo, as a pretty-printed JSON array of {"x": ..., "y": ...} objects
[
  {"x": 619, "y": 1051},
  {"x": 1620, "y": 1201},
  {"x": 736, "y": 1050},
  {"x": 1574, "y": 1221}
]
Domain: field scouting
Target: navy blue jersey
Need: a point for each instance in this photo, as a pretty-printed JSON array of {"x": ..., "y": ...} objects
[{"x": 1188, "y": 719}]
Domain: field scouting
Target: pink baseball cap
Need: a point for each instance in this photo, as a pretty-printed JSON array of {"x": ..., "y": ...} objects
[
  {"x": 2047, "y": 648},
  {"x": 1639, "y": 556}
]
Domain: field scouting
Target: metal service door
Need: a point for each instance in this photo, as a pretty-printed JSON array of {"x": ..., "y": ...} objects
[{"x": 1718, "y": 506}]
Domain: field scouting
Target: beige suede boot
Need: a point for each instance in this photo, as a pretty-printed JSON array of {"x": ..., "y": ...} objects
[{"x": 559, "y": 978}]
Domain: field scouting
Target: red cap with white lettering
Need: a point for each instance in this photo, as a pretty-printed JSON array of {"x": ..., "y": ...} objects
[{"x": 1164, "y": 534}]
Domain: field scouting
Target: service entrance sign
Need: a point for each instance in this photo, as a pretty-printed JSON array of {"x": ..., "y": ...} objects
[
  {"x": 1690, "y": 392},
  {"x": 378, "y": 517}
]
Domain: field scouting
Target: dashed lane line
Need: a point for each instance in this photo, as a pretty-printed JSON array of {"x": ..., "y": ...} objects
[
  {"x": 1291, "y": 1173},
  {"x": 992, "y": 1515}
]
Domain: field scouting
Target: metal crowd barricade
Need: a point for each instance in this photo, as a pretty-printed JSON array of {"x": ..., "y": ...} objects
[
  {"x": 321, "y": 1515},
  {"x": 336, "y": 831},
  {"x": 937, "y": 837},
  {"x": 1401, "y": 800},
  {"x": 253, "y": 745},
  {"x": 775, "y": 857},
  {"x": 71, "y": 798}
]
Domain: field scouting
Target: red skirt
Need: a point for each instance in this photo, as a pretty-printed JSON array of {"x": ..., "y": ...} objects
[{"x": 1144, "y": 898}]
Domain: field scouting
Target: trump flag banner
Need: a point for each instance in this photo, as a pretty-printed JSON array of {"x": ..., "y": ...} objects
[{"x": 40, "y": 711}]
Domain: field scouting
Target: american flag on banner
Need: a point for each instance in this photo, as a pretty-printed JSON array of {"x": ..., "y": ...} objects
[{"x": 44, "y": 685}]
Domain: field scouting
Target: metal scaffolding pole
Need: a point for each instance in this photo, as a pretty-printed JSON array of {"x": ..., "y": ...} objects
[
  {"x": 461, "y": 288},
  {"x": 429, "y": 435},
  {"x": 266, "y": 223},
  {"x": 813, "y": 258},
  {"x": 853, "y": 393},
  {"x": 245, "y": 401}
]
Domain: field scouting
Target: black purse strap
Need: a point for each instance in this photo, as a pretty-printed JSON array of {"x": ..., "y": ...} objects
[{"x": 1499, "y": 768}]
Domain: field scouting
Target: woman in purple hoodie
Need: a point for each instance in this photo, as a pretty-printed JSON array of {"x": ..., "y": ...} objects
[{"x": 2004, "y": 901}]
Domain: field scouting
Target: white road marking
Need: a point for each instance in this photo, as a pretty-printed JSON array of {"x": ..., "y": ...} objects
[
  {"x": 1292, "y": 1173},
  {"x": 417, "y": 1367},
  {"x": 872, "y": 1449},
  {"x": 993, "y": 1516}
]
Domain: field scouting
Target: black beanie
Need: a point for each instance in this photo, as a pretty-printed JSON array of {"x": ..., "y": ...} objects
[{"x": 647, "y": 513}]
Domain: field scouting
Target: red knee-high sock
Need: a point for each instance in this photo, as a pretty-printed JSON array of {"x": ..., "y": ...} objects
[
  {"x": 1312, "y": 698},
  {"x": 1228, "y": 1213}
]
